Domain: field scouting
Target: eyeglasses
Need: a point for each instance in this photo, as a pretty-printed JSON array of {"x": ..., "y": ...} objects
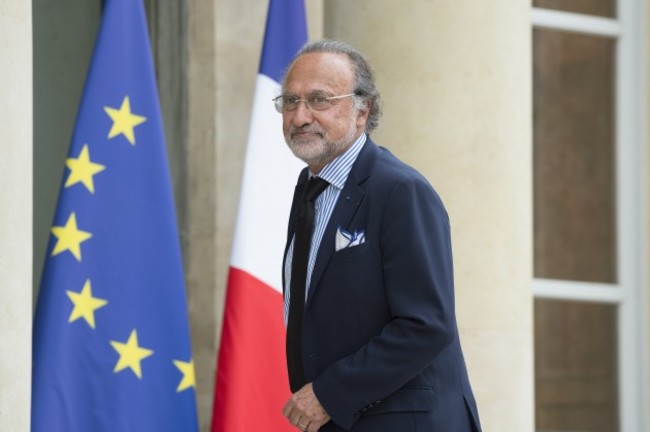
[{"x": 287, "y": 103}]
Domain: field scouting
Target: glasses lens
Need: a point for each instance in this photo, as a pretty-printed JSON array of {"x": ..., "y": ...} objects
[
  {"x": 278, "y": 104},
  {"x": 314, "y": 102},
  {"x": 319, "y": 103},
  {"x": 288, "y": 103}
]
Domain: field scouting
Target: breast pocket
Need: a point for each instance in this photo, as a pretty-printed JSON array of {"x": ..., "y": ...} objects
[{"x": 351, "y": 252}]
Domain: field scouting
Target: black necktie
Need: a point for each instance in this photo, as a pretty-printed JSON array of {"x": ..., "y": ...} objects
[{"x": 301, "y": 244}]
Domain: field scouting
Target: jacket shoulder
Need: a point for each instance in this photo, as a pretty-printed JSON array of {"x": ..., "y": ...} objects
[{"x": 389, "y": 172}]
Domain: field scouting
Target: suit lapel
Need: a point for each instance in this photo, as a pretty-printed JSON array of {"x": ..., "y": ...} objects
[{"x": 346, "y": 207}]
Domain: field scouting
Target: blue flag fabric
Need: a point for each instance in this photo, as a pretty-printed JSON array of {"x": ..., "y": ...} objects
[
  {"x": 111, "y": 332},
  {"x": 285, "y": 34}
]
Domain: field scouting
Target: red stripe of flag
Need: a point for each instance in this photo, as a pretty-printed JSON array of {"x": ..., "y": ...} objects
[{"x": 252, "y": 379}]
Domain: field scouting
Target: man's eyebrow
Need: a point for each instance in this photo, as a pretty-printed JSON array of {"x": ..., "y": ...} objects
[
  {"x": 319, "y": 92},
  {"x": 315, "y": 92}
]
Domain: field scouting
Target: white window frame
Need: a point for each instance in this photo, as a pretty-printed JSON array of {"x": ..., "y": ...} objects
[{"x": 627, "y": 293}]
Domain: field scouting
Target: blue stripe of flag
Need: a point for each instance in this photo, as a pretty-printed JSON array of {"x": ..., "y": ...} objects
[{"x": 286, "y": 32}]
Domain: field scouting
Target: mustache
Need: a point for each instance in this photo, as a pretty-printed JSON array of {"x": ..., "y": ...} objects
[{"x": 306, "y": 129}]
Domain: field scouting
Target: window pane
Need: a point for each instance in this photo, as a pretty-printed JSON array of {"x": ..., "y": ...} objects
[
  {"x": 574, "y": 176},
  {"x": 576, "y": 383},
  {"x": 604, "y": 8}
]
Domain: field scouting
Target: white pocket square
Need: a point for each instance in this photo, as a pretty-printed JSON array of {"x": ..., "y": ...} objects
[{"x": 346, "y": 239}]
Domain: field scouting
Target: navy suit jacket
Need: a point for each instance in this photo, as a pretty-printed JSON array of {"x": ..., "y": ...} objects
[{"x": 380, "y": 339}]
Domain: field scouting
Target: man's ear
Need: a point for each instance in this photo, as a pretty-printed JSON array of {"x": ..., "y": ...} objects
[{"x": 362, "y": 116}]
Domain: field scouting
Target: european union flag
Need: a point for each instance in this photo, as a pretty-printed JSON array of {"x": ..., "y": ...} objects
[{"x": 111, "y": 334}]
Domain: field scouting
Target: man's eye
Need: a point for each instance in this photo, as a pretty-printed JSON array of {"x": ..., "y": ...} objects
[
  {"x": 290, "y": 100},
  {"x": 319, "y": 100}
]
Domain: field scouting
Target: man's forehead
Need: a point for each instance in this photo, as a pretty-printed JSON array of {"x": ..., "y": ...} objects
[{"x": 320, "y": 70}]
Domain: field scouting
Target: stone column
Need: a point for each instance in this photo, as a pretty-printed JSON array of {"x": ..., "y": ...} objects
[
  {"x": 15, "y": 214},
  {"x": 455, "y": 77}
]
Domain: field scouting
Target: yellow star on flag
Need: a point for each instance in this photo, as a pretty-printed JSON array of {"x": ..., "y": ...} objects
[
  {"x": 130, "y": 354},
  {"x": 69, "y": 237},
  {"x": 187, "y": 369},
  {"x": 85, "y": 304},
  {"x": 82, "y": 170},
  {"x": 124, "y": 121}
]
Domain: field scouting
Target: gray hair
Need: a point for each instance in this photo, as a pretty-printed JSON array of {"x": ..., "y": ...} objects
[{"x": 364, "y": 88}]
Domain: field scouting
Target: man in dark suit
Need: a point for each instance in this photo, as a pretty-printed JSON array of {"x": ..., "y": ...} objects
[{"x": 372, "y": 342}]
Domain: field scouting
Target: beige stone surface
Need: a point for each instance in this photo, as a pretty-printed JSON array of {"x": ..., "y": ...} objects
[
  {"x": 201, "y": 224},
  {"x": 15, "y": 214},
  {"x": 455, "y": 79}
]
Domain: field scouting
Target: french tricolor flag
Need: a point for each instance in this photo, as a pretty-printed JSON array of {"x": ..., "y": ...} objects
[{"x": 252, "y": 383}]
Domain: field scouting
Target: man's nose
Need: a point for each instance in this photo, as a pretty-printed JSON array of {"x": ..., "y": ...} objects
[{"x": 302, "y": 115}]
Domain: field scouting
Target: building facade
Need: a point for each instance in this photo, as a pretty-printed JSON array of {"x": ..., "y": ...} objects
[{"x": 530, "y": 120}]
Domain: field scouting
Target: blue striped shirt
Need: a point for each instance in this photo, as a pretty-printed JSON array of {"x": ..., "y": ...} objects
[{"x": 336, "y": 173}]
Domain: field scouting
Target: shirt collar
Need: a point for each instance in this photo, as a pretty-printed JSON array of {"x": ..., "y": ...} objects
[{"x": 336, "y": 172}]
